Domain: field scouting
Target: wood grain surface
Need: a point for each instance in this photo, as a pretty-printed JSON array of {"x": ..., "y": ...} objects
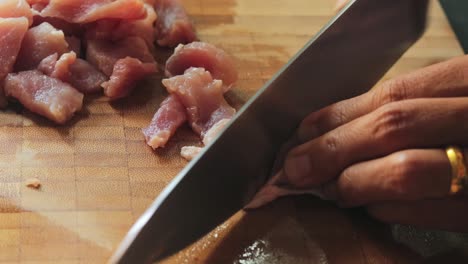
[{"x": 98, "y": 176}]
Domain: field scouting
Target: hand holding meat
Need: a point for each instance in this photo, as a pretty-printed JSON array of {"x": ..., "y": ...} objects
[{"x": 386, "y": 149}]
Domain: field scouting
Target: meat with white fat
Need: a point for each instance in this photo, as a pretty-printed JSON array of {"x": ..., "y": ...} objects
[{"x": 190, "y": 152}]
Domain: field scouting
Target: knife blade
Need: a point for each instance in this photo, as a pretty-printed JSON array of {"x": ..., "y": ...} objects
[
  {"x": 456, "y": 11},
  {"x": 346, "y": 58}
]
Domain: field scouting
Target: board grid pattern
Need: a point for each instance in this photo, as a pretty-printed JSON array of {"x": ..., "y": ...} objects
[{"x": 98, "y": 175}]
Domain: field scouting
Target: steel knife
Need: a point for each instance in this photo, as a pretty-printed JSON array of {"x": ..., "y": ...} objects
[{"x": 344, "y": 59}]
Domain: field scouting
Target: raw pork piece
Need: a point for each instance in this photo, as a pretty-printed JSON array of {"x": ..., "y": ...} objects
[
  {"x": 85, "y": 77},
  {"x": 173, "y": 25},
  {"x": 77, "y": 72},
  {"x": 104, "y": 54},
  {"x": 213, "y": 132},
  {"x": 126, "y": 74},
  {"x": 202, "y": 97},
  {"x": 190, "y": 152},
  {"x": 58, "y": 68},
  {"x": 12, "y": 31},
  {"x": 69, "y": 29},
  {"x": 116, "y": 29},
  {"x": 16, "y": 8},
  {"x": 169, "y": 117},
  {"x": 75, "y": 11},
  {"x": 204, "y": 55},
  {"x": 40, "y": 42},
  {"x": 47, "y": 96}
]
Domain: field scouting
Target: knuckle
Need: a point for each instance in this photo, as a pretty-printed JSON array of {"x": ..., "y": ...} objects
[
  {"x": 324, "y": 120},
  {"x": 340, "y": 115},
  {"x": 394, "y": 90},
  {"x": 404, "y": 167},
  {"x": 320, "y": 122},
  {"x": 390, "y": 121},
  {"x": 331, "y": 144}
]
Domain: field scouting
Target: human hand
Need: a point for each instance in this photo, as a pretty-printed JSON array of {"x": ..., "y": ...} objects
[{"x": 385, "y": 149}]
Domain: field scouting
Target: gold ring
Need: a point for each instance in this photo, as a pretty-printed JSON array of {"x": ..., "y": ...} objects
[{"x": 459, "y": 172}]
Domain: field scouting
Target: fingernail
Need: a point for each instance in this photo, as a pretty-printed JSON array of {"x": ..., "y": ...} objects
[{"x": 297, "y": 168}]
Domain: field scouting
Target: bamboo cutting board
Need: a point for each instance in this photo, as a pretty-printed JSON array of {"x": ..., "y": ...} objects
[{"x": 98, "y": 176}]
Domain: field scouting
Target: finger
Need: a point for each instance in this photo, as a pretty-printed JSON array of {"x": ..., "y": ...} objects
[
  {"x": 447, "y": 214},
  {"x": 404, "y": 175},
  {"x": 417, "y": 123},
  {"x": 446, "y": 79},
  {"x": 281, "y": 155}
]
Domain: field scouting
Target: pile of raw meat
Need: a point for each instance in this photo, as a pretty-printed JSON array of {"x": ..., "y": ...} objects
[
  {"x": 199, "y": 74},
  {"x": 54, "y": 52}
]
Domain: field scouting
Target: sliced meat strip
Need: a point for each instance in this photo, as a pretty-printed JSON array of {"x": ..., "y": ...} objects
[
  {"x": 204, "y": 55},
  {"x": 173, "y": 25},
  {"x": 12, "y": 32},
  {"x": 202, "y": 97},
  {"x": 77, "y": 72},
  {"x": 92, "y": 10},
  {"x": 169, "y": 117},
  {"x": 104, "y": 54},
  {"x": 115, "y": 29},
  {"x": 44, "y": 95},
  {"x": 58, "y": 68},
  {"x": 40, "y": 42},
  {"x": 126, "y": 74},
  {"x": 16, "y": 8}
]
